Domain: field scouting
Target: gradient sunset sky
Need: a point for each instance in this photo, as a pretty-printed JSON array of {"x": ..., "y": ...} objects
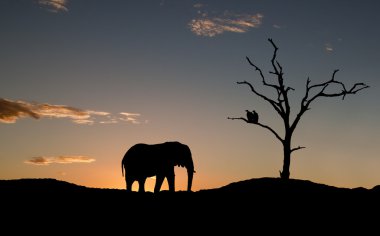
[{"x": 84, "y": 80}]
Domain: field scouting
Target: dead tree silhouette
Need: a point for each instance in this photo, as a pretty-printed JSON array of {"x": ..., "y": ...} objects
[{"x": 282, "y": 106}]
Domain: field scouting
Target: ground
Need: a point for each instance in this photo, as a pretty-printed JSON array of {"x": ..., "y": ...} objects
[{"x": 241, "y": 206}]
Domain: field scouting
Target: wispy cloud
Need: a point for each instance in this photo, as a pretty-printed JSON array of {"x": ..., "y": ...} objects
[
  {"x": 130, "y": 117},
  {"x": 11, "y": 111},
  {"x": 98, "y": 113},
  {"x": 43, "y": 160},
  {"x": 198, "y": 5},
  {"x": 111, "y": 120},
  {"x": 210, "y": 26},
  {"x": 84, "y": 122},
  {"x": 58, "y": 111},
  {"x": 328, "y": 47},
  {"x": 54, "y": 5}
]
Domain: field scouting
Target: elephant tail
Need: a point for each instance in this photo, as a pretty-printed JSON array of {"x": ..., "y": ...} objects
[{"x": 122, "y": 168}]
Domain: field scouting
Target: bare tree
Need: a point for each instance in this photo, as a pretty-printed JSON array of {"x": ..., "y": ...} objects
[{"x": 282, "y": 105}]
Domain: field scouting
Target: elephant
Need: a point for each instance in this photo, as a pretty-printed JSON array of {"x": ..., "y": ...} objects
[{"x": 145, "y": 160}]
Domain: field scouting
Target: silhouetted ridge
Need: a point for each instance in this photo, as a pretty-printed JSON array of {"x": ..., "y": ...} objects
[
  {"x": 376, "y": 189},
  {"x": 261, "y": 186},
  {"x": 278, "y": 186},
  {"x": 261, "y": 198},
  {"x": 38, "y": 186}
]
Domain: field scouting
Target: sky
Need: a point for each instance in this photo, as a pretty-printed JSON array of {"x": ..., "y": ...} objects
[{"x": 84, "y": 80}]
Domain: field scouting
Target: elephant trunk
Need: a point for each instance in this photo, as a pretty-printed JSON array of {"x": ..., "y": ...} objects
[{"x": 190, "y": 173}]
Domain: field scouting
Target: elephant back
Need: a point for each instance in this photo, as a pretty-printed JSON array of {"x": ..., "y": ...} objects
[
  {"x": 138, "y": 152},
  {"x": 141, "y": 159}
]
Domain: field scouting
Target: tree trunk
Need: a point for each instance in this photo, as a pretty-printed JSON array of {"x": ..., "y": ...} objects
[{"x": 285, "y": 173}]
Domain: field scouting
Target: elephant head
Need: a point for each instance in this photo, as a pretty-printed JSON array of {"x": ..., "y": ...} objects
[
  {"x": 144, "y": 160},
  {"x": 183, "y": 158}
]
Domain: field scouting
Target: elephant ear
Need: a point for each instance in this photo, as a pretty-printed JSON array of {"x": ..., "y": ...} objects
[
  {"x": 178, "y": 162},
  {"x": 179, "y": 155}
]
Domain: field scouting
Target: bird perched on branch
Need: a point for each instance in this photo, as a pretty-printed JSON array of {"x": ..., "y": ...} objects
[{"x": 252, "y": 116}]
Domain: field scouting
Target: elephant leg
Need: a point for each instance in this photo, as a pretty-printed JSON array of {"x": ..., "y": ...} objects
[
  {"x": 129, "y": 182},
  {"x": 142, "y": 185},
  {"x": 159, "y": 180},
  {"x": 171, "y": 181}
]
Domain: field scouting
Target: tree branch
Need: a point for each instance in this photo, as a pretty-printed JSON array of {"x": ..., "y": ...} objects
[
  {"x": 274, "y": 57},
  {"x": 282, "y": 105},
  {"x": 276, "y": 105},
  {"x": 306, "y": 101},
  {"x": 297, "y": 148},
  {"x": 262, "y": 76},
  {"x": 353, "y": 90},
  {"x": 283, "y": 90},
  {"x": 259, "y": 124}
]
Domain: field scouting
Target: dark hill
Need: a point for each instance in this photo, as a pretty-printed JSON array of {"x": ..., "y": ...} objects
[
  {"x": 38, "y": 186},
  {"x": 261, "y": 187},
  {"x": 245, "y": 203},
  {"x": 271, "y": 186}
]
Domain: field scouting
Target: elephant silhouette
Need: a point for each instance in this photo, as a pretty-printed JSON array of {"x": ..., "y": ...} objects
[{"x": 145, "y": 160}]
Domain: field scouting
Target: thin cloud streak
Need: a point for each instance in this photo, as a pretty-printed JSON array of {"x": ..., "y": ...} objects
[
  {"x": 58, "y": 111},
  {"x": 43, "y": 160},
  {"x": 54, "y": 5},
  {"x": 113, "y": 121},
  {"x": 129, "y": 114},
  {"x": 228, "y": 22},
  {"x": 329, "y": 48},
  {"x": 11, "y": 111},
  {"x": 198, "y": 5},
  {"x": 130, "y": 117},
  {"x": 98, "y": 113},
  {"x": 84, "y": 122}
]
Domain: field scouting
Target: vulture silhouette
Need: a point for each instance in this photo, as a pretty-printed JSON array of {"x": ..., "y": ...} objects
[{"x": 252, "y": 116}]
